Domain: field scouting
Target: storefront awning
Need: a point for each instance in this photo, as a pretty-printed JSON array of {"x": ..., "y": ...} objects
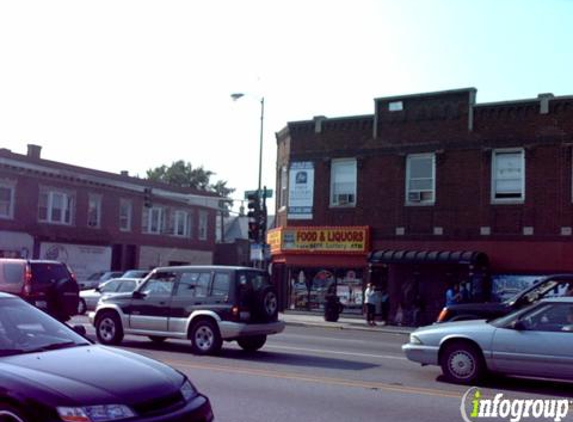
[{"x": 392, "y": 256}]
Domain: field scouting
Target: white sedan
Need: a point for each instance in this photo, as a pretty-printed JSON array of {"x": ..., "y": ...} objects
[
  {"x": 90, "y": 298},
  {"x": 536, "y": 341}
]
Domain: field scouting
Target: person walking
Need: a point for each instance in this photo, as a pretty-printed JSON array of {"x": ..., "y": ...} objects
[{"x": 370, "y": 301}]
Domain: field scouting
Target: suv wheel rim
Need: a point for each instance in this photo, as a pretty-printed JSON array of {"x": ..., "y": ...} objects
[
  {"x": 204, "y": 337},
  {"x": 7, "y": 416},
  {"x": 270, "y": 303},
  {"x": 461, "y": 364},
  {"x": 107, "y": 329}
]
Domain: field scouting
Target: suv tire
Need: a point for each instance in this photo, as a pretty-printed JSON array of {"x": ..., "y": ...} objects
[
  {"x": 108, "y": 328},
  {"x": 205, "y": 337},
  {"x": 266, "y": 304},
  {"x": 252, "y": 343},
  {"x": 65, "y": 299}
]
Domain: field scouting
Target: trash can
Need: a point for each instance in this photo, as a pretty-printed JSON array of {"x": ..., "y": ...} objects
[{"x": 332, "y": 308}]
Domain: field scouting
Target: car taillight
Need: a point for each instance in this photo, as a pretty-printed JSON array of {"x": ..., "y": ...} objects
[
  {"x": 72, "y": 274},
  {"x": 443, "y": 315},
  {"x": 28, "y": 280}
]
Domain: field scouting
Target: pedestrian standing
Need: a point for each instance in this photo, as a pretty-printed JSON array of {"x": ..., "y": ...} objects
[{"x": 370, "y": 301}]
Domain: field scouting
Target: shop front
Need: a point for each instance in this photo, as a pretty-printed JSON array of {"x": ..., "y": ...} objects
[{"x": 308, "y": 263}]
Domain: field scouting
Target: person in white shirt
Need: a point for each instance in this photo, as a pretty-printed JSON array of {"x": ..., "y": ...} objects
[{"x": 370, "y": 301}]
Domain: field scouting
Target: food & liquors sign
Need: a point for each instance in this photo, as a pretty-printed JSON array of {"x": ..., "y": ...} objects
[{"x": 319, "y": 239}]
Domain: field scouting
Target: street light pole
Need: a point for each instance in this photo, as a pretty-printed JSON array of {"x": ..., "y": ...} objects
[{"x": 260, "y": 192}]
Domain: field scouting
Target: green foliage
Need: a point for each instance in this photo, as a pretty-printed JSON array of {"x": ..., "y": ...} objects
[{"x": 182, "y": 174}]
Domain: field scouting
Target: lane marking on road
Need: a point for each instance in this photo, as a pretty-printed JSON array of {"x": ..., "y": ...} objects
[
  {"x": 316, "y": 379},
  {"x": 335, "y": 352}
]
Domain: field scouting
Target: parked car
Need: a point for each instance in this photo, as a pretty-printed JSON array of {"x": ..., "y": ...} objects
[
  {"x": 553, "y": 285},
  {"x": 134, "y": 274},
  {"x": 48, "y": 285},
  {"x": 534, "y": 341},
  {"x": 206, "y": 304},
  {"x": 96, "y": 279},
  {"x": 90, "y": 298},
  {"x": 51, "y": 373}
]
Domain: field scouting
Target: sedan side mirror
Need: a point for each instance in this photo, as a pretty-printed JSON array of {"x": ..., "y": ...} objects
[
  {"x": 80, "y": 329},
  {"x": 518, "y": 325}
]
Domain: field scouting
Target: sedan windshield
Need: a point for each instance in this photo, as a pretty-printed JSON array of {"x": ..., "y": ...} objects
[{"x": 26, "y": 329}]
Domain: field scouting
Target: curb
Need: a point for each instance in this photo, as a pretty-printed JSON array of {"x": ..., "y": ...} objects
[{"x": 349, "y": 326}]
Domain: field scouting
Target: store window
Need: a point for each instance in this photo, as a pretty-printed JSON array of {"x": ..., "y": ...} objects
[{"x": 309, "y": 287}]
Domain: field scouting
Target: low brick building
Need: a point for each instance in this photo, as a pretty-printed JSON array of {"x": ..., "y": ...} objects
[
  {"x": 430, "y": 174},
  {"x": 96, "y": 220}
]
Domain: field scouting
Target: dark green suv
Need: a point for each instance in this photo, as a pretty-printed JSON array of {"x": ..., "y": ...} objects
[{"x": 206, "y": 304}]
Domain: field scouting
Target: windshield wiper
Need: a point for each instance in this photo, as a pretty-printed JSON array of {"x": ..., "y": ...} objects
[
  {"x": 56, "y": 346},
  {"x": 10, "y": 352}
]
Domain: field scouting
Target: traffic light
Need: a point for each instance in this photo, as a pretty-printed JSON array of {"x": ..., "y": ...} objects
[
  {"x": 254, "y": 215},
  {"x": 147, "y": 197}
]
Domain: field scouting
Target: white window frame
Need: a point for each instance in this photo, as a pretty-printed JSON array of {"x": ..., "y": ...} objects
[
  {"x": 181, "y": 218},
  {"x": 125, "y": 205},
  {"x": 416, "y": 197},
  {"x": 95, "y": 201},
  {"x": 155, "y": 213},
  {"x": 67, "y": 210},
  {"x": 346, "y": 198},
  {"x": 10, "y": 186},
  {"x": 203, "y": 225},
  {"x": 284, "y": 187},
  {"x": 494, "y": 166}
]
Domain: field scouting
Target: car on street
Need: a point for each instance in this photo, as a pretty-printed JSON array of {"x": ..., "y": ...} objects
[
  {"x": 205, "y": 304},
  {"x": 95, "y": 279},
  {"x": 535, "y": 341},
  {"x": 50, "y": 373},
  {"x": 90, "y": 298},
  {"x": 134, "y": 274},
  {"x": 553, "y": 285},
  {"x": 48, "y": 285}
]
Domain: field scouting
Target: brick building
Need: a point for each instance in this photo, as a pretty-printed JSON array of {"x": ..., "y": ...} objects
[
  {"x": 444, "y": 189},
  {"x": 96, "y": 220}
]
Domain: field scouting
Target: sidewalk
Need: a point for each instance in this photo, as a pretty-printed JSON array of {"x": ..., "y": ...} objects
[{"x": 308, "y": 319}]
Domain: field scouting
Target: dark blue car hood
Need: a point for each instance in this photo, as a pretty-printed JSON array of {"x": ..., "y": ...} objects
[{"x": 91, "y": 375}]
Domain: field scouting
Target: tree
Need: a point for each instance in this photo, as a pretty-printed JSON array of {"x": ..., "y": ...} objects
[{"x": 182, "y": 174}]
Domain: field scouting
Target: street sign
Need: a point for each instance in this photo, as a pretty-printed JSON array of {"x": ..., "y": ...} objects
[{"x": 266, "y": 193}]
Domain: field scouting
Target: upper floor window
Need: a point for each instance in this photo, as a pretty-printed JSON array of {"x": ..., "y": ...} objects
[
  {"x": 56, "y": 206},
  {"x": 153, "y": 220},
  {"x": 420, "y": 179},
  {"x": 6, "y": 199},
  {"x": 125, "y": 209},
  {"x": 508, "y": 175},
  {"x": 203, "y": 225},
  {"x": 94, "y": 211},
  {"x": 343, "y": 182},
  {"x": 181, "y": 223},
  {"x": 284, "y": 187}
]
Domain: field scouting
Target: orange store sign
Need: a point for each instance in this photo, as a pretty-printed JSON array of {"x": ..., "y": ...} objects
[{"x": 319, "y": 239}]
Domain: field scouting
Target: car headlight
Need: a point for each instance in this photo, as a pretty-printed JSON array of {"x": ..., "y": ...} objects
[
  {"x": 100, "y": 413},
  {"x": 414, "y": 339},
  {"x": 188, "y": 391}
]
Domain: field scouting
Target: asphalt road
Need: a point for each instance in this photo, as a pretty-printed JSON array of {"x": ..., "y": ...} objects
[{"x": 322, "y": 374}]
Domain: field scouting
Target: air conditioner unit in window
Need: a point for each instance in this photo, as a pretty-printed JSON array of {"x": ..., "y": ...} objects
[
  {"x": 345, "y": 198},
  {"x": 414, "y": 196}
]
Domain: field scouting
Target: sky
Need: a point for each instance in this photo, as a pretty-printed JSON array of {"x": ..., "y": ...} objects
[{"x": 134, "y": 84}]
